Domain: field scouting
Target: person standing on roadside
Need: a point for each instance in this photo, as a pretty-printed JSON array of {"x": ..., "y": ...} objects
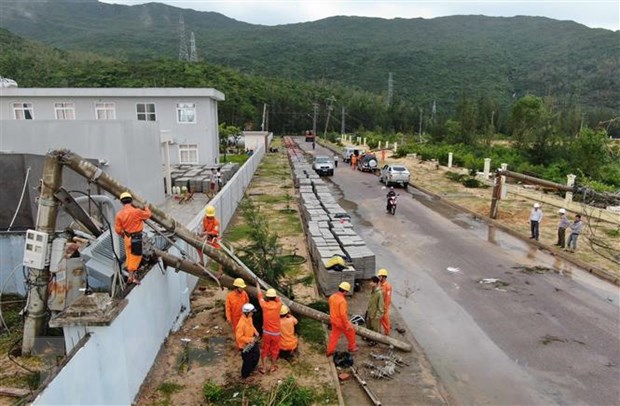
[
  {"x": 339, "y": 319},
  {"x": 386, "y": 288},
  {"x": 271, "y": 305},
  {"x": 247, "y": 337},
  {"x": 375, "y": 307},
  {"x": 563, "y": 224},
  {"x": 335, "y": 161},
  {"x": 536, "y": 216},
  {"x": 235, "y": 300},
  {"x": 575, "y": 230}
]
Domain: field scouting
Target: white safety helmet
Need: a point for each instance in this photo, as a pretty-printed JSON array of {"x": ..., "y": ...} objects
[
  {"x": 536, "y": 205},
  {"x": 248, "y": 308},
  {"x": 562, "y": 211}
]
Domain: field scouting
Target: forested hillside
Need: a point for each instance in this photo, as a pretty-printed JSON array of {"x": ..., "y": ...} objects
[{"x": 438, "y": 59}]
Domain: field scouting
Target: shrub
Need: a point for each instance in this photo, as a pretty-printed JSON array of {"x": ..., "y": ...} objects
[{"x": 212, "y": 391}]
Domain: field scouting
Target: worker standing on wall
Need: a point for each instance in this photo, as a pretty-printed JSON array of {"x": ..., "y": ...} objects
[
  {"x": 339, "y": 319},
  {"x": 270, "y": 304},
  {"x": 246, "y": 337},
  {"x": 234, "y": 303},
  {"x": 386, "y": 288},
  {"x": 129, "y": 223},
  {"x": 211, "y": 232}
]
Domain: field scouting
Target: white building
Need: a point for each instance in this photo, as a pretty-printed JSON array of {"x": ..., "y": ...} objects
[{"x": 187, "y": 116}]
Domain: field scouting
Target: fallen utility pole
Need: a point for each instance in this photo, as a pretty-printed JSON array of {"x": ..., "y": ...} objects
[
  {"x": 196, "y": 270},
  {"x": 96, "y": 175},
  {"x": 497, "y": 187}
]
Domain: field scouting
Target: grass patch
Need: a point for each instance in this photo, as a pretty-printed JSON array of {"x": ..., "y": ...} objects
[
  {"x": 235, "y": 158},
  {"x": 237, "y": 233},
  {"x": 271, "y": 199},
  {"x": 311, "y": 330},
  {"x": 284, "y": 394},
  {"x": 611, "y": 232}
]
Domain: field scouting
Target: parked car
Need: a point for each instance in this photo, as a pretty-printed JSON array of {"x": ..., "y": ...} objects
[
  {"x": 368, "y": 163},
  {"x": 323, "y": 165},
  {"x": 351, "y": 150},
  {"x": 395, "y": 174}
]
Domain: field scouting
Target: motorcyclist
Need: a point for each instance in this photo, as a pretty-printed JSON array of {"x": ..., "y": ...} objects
[{"x": 390, "y": 194}]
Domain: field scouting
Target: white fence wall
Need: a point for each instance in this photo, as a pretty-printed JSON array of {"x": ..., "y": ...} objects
[{"x": 111, "y": 366}]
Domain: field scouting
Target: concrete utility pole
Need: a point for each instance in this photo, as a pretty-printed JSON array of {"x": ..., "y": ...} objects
[
  {"x": 39, "y": 278},
  {"x": 342, "y": 127},
  {"x": 330, "y": 107},
  {"x": 420, "y": 130},
  {"x": 315, "y": 106},
  {"x": 262, "y": 124}
]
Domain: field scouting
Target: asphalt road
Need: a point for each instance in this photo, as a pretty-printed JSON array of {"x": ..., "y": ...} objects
[{"x": 531, "y": 339}]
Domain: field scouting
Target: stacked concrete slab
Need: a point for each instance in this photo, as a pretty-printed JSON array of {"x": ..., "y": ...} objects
[
  {"x": 198, "y": 177},
  {"x": 329, "y": 230}
]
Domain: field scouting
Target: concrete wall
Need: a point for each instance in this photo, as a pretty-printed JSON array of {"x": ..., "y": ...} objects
[
  {"x": 111, "y": 366},
  {"x": 131, "y": 148}
]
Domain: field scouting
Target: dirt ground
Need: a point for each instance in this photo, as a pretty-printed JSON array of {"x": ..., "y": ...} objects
[{"x": 183, "y": 367}]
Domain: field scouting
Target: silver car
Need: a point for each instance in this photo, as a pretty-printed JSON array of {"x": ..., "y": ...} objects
[
  {"x": 395, "y": 174},
  {"x": 323, "y": 165}
]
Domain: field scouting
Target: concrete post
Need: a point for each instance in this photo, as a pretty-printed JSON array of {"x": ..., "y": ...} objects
[
  {"x": 379, "y": 147},
  {"x": 504, "y": 190},
  {"x": 395, "y": 146},
  {"x": 364, "y": 140},
  {"x": 359, "y": 140},
  {"x": 570, "y": 181},
  {"x": 38, "y": 278},
  {"x": 387, "y": 145},
  {"x": 487, "y": 167},
  {"x": 449, "y": 160}
]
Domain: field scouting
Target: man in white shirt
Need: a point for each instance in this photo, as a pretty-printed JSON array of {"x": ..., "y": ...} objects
[{"x": 536, "y": 217}]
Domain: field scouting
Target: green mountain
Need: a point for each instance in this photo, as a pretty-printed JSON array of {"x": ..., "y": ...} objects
[{"x": 438, "y": 59}]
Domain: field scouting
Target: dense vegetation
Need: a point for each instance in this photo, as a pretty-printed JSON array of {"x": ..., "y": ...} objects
[{"x": 431, "y": 60}]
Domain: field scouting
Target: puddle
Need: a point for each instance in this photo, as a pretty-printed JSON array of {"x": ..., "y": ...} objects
[
  {"x": 214, "y": 348},
  {"x": 533, "y": 269}
]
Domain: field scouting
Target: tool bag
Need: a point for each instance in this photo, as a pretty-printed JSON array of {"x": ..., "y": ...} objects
[{"x": 136, "y": 244}]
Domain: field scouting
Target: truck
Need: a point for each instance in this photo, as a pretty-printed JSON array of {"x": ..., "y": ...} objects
[{"x": 310, "y": 136}]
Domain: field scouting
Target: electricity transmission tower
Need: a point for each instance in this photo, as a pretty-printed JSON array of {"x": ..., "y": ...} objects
[
  {"x": 330, "y": 107},
  {"x": 193, "y": 55},
  {"x": 183, "y": 53},
  {"x": 316, "y": 110},
  {"x": 390, "y": 94}
]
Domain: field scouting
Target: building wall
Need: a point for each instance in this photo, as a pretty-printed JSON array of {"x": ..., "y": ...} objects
[
  {"x": 203, "y": 132},
  {"x": 131, "y": 148},
  {"x": 111, "y": 366}
]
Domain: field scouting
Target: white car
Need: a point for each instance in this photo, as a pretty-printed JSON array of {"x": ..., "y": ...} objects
[
  {"x": 395, "y": 174},
  {"x": 323, "y": 165}
]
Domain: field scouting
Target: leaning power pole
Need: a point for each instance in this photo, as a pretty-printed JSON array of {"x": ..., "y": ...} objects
[
  {"x": 183, "y": 53},
  {"x": 193, "y": 54},
  {"x": 330, "y": 107}
]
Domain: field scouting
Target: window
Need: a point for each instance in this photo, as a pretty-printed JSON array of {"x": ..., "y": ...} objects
[
  {"x": 186, "y": 113},
  {"x": 23, "y": 111},
  {"x": 64, "y": 111},
  {"x": 105, "y": 111},
  {"x": 188, "y": 153},
  {"x": 146, "y": 111}
]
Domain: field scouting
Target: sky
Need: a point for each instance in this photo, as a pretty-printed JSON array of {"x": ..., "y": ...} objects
[{"x": 592, "y": 13}]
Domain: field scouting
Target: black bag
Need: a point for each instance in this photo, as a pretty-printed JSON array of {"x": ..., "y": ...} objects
[
  {"x": 136, "y": 244},
  {"x": 343, "y": 359}
]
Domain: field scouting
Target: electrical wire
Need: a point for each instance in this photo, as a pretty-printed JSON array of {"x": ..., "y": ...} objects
[{"x": 21, "y": 199}]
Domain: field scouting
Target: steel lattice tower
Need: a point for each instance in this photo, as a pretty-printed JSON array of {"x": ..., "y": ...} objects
[
  {"x": 193, "y": 54},
  {"x": 390, "y": 94},
  {"x": 183, "y": 54}
]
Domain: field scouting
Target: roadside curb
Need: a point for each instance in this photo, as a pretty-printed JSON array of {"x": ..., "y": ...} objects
[{"x": 601, "y": 273}]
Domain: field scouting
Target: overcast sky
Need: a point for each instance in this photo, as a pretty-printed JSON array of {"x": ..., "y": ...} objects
[{"x": 593, "y": 13}]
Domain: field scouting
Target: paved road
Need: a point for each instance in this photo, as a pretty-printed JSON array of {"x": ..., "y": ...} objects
[{"x": 536, "y": 339}]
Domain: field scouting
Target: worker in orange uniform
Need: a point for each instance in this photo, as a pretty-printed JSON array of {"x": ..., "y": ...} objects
[
  {"x": 339, "y": 318},
  {"x": 246, "y": 337},
  {"x": 129, "y": 223},
  {"x": 211, "y": 232},
  {"x": 235, "y": 301},
  {"x": 288, "y": 339},
  {"x": 270, "y": 304},
  {"x": 353, "y": 161},
  {"x": 386, "y": 288}
]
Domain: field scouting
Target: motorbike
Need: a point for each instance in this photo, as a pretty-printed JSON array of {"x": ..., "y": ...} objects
[{"x": 391, "y": 204}]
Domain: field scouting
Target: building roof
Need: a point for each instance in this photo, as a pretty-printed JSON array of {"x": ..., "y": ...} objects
[{"x": 112, "y": 92}]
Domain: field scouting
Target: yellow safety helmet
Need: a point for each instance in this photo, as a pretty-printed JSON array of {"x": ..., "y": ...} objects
[
  {"x": 271, "y": 293},
  {"x": 239, "y": 283},
  {"x": 382, "y": 272},
  {"x": 346, "y": 286},
  {"x": 126, "y": 195},
  {"x": 210, "y": 211},
  {"x": 283, "y": 310}
]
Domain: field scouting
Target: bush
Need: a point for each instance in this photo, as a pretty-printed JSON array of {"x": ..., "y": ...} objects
[
  {"x": 472, "y": 183},
  {"x": 212, "y": 391}
]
